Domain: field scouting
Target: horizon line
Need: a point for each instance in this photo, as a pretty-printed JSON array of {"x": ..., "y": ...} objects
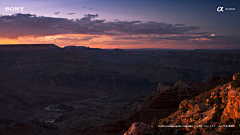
[{"x": 118, "y": 48}]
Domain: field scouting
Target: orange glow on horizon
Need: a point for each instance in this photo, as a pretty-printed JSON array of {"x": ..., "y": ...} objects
[
  {"x": 101, "y": 41},
  {"x": 61, "y": 40},
  {"x": 202, "y": 39},
  {"x": 8, "y": 41}
]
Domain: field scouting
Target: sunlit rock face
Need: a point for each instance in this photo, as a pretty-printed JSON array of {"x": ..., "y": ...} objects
[
  {"x": 232, "y": 110},
  {"x": 165, "y": 102},
  {"x": 137, "y": 128},
  {"x": 199, "y": 110},
  {"x": 219, "y": 105}
]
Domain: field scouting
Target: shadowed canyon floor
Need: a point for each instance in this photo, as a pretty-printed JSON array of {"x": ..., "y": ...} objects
[{"x": 76, "y": 87}]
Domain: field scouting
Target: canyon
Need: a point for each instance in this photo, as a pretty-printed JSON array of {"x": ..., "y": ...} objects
[{"x": 92, "y": 90}]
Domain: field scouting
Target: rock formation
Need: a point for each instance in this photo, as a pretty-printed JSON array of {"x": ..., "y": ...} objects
[
  {"x": 232, "y": 109},
  {"x": 165, "y": 102},
  {"x": 206, "y": 113},
  {"x": 137, "y": 128}
]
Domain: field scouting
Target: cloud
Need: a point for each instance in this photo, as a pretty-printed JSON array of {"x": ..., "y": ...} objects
[
  {"x": 158, "y": 38},
  {"x": 208, "y": 39},
  {"x": 91, "y": 15},
  {"x": 71, "y": 13},
  {"x": 138, "y": 27},
  {"x": 77, "y": 39},
  {"x": 179, "y": 24},
  {"x": 20, "y": 25}
]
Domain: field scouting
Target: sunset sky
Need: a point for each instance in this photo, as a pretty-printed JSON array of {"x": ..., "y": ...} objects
[{"x": 170, "y": 24}]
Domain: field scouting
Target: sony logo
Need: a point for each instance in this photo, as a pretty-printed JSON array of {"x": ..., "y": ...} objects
[{"x": 14, "y": 8}]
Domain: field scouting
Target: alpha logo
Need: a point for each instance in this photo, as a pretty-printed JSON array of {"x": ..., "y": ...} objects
[
  {"x": 14, "y": 8},
  {"x": 220, "y": 9}
]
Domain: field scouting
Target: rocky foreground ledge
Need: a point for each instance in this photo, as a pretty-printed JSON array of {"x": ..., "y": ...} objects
[
  {"x": 148, "y": 116},
  {"x": 215, "y": 111}
]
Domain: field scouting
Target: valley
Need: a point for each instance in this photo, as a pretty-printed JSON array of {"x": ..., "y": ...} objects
[{"x": 79, "y": 87}]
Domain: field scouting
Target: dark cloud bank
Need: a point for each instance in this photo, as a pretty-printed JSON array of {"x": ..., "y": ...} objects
[
  {"x": 19, "y": 25},
  {"x": 31, "y": 25}
]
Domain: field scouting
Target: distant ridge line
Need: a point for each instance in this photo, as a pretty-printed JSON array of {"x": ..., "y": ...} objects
[
  {"x": 23, "y": 44},
  {"x": 16, "y": 47}
]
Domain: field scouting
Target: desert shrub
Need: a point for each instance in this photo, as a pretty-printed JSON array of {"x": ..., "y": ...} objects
[
  {"x": 198, "y": 132},
  {"x": 204, "y": 96},
  {"x": 184, "y": 109},
  {"x": 155, "y": 123},
  {"x": 229, "y": 80},
  {"x": 218, "y": 111},
  {"x": 230, "y": 130},
  {"x": 209, "y": 88},
  {"x": 165, "y": 122},
  {"x": 214, "y": 117},
  {"x": 229, "y": 121},
  {"x": 237, "y": 121},
  {"x": 223, "y": 82},
  {"x": 237, "y": 78},
  {"x": 217, "y": 100},
  {"x": 212, "y": 101},
  {"x": 181, "y": 132},
  {"x": 217, "y": 115},
  {"x": 235, "y": 84},
  {"x": 170, "y": 131}
]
